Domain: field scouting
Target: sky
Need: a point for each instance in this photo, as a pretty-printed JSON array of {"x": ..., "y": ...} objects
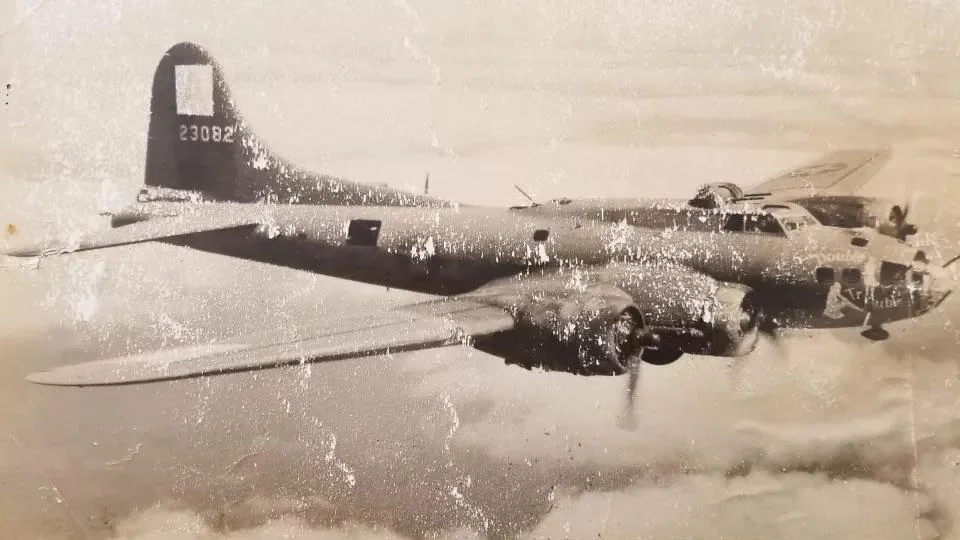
[{"x": 819, "y": 435}]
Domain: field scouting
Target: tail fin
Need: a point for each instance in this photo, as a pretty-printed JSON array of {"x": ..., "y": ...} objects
[{"x": 199, "y": 147}]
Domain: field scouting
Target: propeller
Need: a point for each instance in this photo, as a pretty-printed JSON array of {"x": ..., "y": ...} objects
[
  {"x": 628, "y": 418},
  {"x": 641, "y": 339},
  {"x": 899, "y": 217},
  {"x": 767, "y": 328},
  {"x": 648, "y": 349},
  {"x": 951, "y": 260}
]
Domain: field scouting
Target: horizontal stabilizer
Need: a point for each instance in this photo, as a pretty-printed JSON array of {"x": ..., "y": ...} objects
[
  {"x": 842, "y": 172},
  {"x": 142, "y": 231},
  {"x": 433, "y": 324}
]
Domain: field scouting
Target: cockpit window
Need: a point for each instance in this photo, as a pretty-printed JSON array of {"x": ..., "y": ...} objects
[
  {"x": 753, "y": 223},
  {"x": 763, "y": 223},
  {"x": 796, "y": 223}
]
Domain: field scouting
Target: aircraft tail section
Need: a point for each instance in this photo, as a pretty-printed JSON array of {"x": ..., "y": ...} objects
[{"x": 200, "y": 148}]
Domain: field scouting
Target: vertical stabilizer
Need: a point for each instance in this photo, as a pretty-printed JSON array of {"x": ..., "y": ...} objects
[{"x": 199, "y": 147}]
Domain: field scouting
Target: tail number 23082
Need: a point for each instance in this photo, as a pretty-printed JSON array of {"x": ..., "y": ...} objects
[{"x": 214, "y": 133}]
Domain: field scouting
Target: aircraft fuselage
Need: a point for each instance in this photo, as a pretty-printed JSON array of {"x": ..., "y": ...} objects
[{"x": 455, "y": 250}]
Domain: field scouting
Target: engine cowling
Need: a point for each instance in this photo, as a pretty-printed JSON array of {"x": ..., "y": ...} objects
[
  {"x": 694, "y": 313},
  {"x": 586, "y": 335},
  {"x": 615, "y": 313},
  {"x": 716, "y": 195},
  {"x": 851, "y": 211},
  {"x": 726, "y": 325}
]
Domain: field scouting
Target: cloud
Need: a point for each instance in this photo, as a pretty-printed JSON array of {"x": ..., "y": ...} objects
[
  {"x": 829, "y": 434},
  {"x": 277, "y": 518},
  {"x": 172, "y": 524},
  {"x": 823, "y": 436},
  {"x": 698, "y": 410},
  {"x": 760, "y": 505}
]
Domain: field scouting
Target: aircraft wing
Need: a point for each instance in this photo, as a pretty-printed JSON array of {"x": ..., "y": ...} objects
[
  {"x": 142, "y": 231},
  {"x": 437, "y": 323},
  {"x": 837, "y": 173}
]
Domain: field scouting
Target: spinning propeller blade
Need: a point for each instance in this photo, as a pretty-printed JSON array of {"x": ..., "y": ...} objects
[{"x": 628, "y": 418}]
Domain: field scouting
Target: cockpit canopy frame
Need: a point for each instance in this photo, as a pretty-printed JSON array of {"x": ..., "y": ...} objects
[{"x": 778, "y": 219}]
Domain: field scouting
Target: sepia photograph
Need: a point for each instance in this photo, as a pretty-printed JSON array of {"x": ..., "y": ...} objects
[{"x": 423, "y": 269}]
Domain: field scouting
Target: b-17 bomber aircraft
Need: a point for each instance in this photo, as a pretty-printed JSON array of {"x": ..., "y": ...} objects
[{"x": 563, "y": 290}]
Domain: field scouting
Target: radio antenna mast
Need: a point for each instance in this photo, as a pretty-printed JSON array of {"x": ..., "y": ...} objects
[{"x": 526, "y": 195}]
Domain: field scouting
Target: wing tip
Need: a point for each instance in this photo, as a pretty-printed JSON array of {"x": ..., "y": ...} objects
[
  {"x": 51, "y": 378},
  {"x": 22, "y": 252},
  {"x": 89, "y": 374},
  {"x": 30, "y": 251},
  {"x": 66, "y": 377}
]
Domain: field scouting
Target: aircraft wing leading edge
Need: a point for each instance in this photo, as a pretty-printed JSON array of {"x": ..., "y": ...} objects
[
  {"x": 837, "y": 173},
  {"x": 433, "y": 324}
]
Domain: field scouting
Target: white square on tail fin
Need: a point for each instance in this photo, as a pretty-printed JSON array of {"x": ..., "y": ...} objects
[{"x": 194, "y": 89}]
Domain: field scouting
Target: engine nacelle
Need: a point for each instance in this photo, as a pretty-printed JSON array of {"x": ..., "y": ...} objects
[
  {"x": 584, "y": 334},
  {"x": 696, "y": 314},
  {"x": 727, "y": 326},
  {"x": 853, "y": 212},
  {"x": 620, "y": 311},
  {"x": 716, "y": 195}
]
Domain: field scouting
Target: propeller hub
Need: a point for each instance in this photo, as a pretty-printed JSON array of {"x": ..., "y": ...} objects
[{"x": 646, "y": 338}]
